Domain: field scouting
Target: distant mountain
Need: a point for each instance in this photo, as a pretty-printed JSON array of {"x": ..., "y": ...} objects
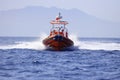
[{"x": 31, "y": 21}]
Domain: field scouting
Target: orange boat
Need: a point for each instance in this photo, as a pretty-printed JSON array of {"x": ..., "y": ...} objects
[{"x": 58, "y": 38}]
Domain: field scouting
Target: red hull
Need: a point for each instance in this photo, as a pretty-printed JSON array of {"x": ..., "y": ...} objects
[{"x": 57, "y": 42}]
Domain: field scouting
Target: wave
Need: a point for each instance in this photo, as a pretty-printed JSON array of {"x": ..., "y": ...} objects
[
  {"x": 94, "y": 45},
  {"x": 37, "y": 44},
  {"x": 90, "y": 45}
]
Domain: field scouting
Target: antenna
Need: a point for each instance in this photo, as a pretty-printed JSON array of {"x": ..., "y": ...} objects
[
  {"x": 60, "y": 17},
  {"x": 59, "y": 14}
]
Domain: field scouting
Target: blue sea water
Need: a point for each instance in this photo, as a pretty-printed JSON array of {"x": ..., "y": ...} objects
[{"x": 25, "y": 58}]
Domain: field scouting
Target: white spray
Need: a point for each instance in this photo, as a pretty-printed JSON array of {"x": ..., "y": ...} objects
[
  {"x": 37, "y": 44},
  {"x": 90, "y": 45}
]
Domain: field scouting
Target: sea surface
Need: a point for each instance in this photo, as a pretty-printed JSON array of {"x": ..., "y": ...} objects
[{"x": 25, "y": 58}]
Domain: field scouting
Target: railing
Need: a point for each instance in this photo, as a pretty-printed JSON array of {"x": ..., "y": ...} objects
[{"x": 60, "y": 31}]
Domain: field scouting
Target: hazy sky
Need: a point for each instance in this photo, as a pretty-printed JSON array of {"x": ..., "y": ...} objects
[
  {"x": 103, "y": 9},
  {"x": 106, "y": 11}
]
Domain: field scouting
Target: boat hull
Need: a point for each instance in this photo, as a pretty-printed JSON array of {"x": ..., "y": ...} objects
[{"x": 57, "y": 42}]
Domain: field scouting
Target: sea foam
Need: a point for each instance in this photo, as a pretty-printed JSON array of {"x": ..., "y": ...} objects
[
  {"x": 96, "y": 45},
  {"x": 90, "y": 45},
  {"x": 36, "y": 44}
]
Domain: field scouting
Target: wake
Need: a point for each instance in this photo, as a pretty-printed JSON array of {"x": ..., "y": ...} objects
[
  {"x": 90, "y": 45},
  {"x": 37, "y": 44}
]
